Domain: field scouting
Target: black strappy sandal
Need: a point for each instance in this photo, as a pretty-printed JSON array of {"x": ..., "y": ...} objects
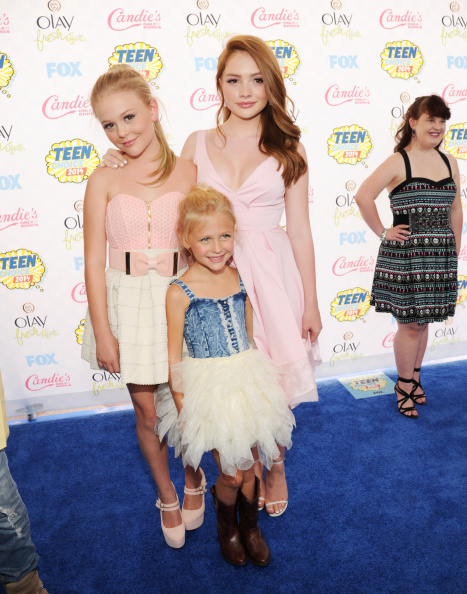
[
  {"x": 416, "y": 397},
  {"x": 406, "y": 396}
]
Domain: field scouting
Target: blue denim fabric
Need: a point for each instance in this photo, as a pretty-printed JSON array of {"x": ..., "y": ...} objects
[
  {"x": 215, "y": 327},
  {"x": 17, "y": 553}
]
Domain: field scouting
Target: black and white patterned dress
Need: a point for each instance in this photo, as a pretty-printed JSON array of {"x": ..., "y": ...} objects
[{"x": 416, "y": 280}]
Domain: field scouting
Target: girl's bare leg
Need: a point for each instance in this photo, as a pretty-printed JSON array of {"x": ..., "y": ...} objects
[
  {"x": 276, "y": 484},
  {"x": 259, "y": 472},
  {"x": 419, "y": 360},
  {"x": 154, "y": 450},
  {"x": 192, "y": 481}
]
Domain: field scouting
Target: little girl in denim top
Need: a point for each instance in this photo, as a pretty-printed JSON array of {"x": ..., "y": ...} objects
[{"x": 226, "y": 393}]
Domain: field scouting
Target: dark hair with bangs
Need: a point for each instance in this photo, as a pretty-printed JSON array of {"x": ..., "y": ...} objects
[{"x": 432, "y": 105}]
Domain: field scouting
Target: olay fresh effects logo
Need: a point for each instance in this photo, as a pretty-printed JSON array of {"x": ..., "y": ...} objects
[
  {"x": 34, "y": 382},
  {"x": 454, "y": 25},
  {"x": 398, "y": 112},
  {"x": 202, "y": 99},
  {"x": 350, "y": 305},
  {"x": 24, "y": 217},
  {"x": 7, "y": 73},
  {"x": 349, "y": 144},
  {"x": 4, "y": 23},
  {"x": 29, "y": 326},
  {"x": 337, "y": 24},
  {"x": 103, "y": 380},
  {"x": 121, "y": 20},
  {"x": 455, "y": 141},
  {"x": 72, "y": 161},
  {"x": 446, "y": 335},
  {"x": 337, "y": 95},
  {"x": 346, "y": 207},
  {"x": 74, "y": 226},
  {"x": 262, "y": 18},
  {"x": 462, "y": 289},
  {"x": 6, "y": 146},
  {"x": 344, "y": 265},
  {"x": 144, "y": 58},
  {"x": 402, "y": 59},
  {"x": 390, "y": 19},
  {"x": 453, "y": 94},
  {"x": 55, "y": 27},
  {"x": 21, "y": 269},
  {"x": 54, "y": 107},
  {"x": 203, "y": 24},
  {"x": 286, "y": 55},
  {"x": 348, "y": 349}
]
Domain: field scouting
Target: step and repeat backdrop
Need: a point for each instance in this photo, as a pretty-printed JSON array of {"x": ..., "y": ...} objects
[{"x": 352, "y": 68}]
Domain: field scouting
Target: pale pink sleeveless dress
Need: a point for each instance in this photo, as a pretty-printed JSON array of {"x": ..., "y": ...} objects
[
  {"x": 136, "y": 304},
  {"x": 264, "y": 257}
]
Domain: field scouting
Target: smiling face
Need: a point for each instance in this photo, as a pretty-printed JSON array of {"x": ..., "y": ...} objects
[
  {"x": 128, "y": 122},
  {"x": 429, "y": 130},
  {"x": 211, "y": 241},
  {"x": 243, "y": 87}
]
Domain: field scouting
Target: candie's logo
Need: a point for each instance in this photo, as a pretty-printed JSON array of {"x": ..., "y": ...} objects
[
  {"x": 350, "y": 305},
  {"x": 24, "y": 217},
  {"x": 369, "y": 383},
  {"x": 120, "y": 20},
  {"x": 72, "y": 161},
  {"x": 54, "y": 108},
  {"x": 349, "y": 144},
  {"x": 336, "y": 95},
  {"x": 78, "y": 293},
  {"x": 401, "y": 59},
  {"x": 455, "y": 141},
  {"x": 35, "y": 383},
  {"x": 4, "y": 23},
  {"x": 462, "y": 289},
  {"x": 392, "y": 20},
  {"x": 452, "y": 95},
  {"x": 79, "y": 332},
  {"x": 343, "y": 265},
  {"x": 7, "y": 73},
  {"x": 141, "y": 56},
  {"x": 262, "y": 19},
  {"x": 21, "y": 269},
  {"x": 286, "y": 55},
  {"x": 201, "y": 100}
]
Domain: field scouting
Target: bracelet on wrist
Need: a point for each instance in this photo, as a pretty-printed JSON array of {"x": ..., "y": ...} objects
[{"x": 383, "y": 234}]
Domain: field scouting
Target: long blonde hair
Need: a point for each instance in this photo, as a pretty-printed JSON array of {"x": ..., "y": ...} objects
[
  {"x": 123, "y": 77},
  {"x": 279, "y": 135}
]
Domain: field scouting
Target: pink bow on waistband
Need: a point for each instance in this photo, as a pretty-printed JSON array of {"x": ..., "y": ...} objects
[{"x": 137, "y": 263}]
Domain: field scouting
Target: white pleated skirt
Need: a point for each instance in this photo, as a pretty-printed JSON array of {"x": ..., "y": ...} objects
[{"x": 137, "y": 317}]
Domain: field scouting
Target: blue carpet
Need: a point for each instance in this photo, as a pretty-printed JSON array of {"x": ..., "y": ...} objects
[{"x": 378, "y": 503}]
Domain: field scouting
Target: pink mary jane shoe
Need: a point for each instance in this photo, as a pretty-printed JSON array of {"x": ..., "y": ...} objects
[{"x": 193, "y": 518}]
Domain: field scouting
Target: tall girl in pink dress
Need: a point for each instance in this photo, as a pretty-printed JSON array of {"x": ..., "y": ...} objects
[
  {"x": 135, "y": 211},
  {"x": 254, "y": 157}
]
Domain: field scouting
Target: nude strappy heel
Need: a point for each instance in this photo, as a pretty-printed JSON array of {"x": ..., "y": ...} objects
[
  {"x": 174, "y": 537},
  {"x": 193, "y": 518},
  {"x": 277, "y": 514}
]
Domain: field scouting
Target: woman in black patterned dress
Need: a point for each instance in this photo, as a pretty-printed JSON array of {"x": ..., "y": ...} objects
[{"x": 416, "y": 271}]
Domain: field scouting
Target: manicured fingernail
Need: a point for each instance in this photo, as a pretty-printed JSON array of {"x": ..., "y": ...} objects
[
  {"x": 115, "y": 166},
  {"x": 125, "y": 162}
]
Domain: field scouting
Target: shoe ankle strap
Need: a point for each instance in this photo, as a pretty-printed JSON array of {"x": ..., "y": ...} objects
[
  {"x": 167, "y": 506},
  {"x": 402, "y": 379},
  {"x": 201, "y": 490},
  {"x": 417, "y": 369}
]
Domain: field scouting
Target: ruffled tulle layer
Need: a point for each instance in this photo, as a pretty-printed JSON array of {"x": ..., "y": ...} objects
[{"x": 230, "y": 404}]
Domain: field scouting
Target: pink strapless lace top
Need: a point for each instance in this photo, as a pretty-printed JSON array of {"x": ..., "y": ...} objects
[{"x": 134, "y": 224}]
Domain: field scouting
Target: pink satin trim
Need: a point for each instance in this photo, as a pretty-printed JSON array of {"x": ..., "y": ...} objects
[{"x": 141, "y": 263}]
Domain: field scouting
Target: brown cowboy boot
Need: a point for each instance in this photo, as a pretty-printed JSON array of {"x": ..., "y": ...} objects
[
  {"x": 255, "y": 545},
  {"x": 227, "y": 529},
  {"x": 30, "y": 584}
]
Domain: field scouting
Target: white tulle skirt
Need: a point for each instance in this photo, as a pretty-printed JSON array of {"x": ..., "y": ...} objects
[{"x": 230, "y": 404}]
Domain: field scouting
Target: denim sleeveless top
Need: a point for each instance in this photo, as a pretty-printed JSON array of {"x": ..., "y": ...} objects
[{"x": 215, "y": 327}]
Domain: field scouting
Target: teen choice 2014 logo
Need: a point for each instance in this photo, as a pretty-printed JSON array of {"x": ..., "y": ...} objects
[
  {"x": 350, "y": 305},
  {"x": 401, "y": 59},
  {"x": 455, "y": 141},
  {"x": 369, "y": 383},
  {"x": 462, "y": 289},
  {"x": 21, "y": 269},
  {"x": 349, "y": 144},
  {"x": 79, "y": 332},
  {"x": 72, "y": 161},
  {"x": 286, "y": 55},
  {"x": 144, "y": 58},
  {"x": 6, "y": 71}
]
